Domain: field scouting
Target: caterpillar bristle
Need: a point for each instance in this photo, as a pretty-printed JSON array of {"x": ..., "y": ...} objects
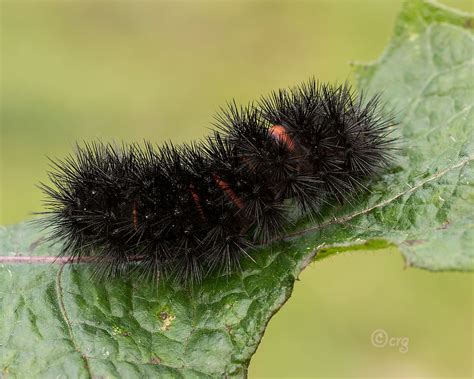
[{"x": 180, "y": 213}]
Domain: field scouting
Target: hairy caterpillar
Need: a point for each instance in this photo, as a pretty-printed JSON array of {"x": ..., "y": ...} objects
[{"x": 182, "y": 212}]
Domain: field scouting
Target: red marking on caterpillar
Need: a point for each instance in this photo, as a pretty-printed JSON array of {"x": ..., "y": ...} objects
[
  {"x": 135, "y": 216},
  {"x": 197, "y": 202},
  {"x": 279, "y": 133},
  {"x": 223, "y": 185}
]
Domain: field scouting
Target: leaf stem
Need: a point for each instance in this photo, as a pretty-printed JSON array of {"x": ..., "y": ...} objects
[{"x": 54, "y": 259}]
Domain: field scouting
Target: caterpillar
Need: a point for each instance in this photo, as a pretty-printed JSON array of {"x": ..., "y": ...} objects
[{"x": 184, "y": 212}]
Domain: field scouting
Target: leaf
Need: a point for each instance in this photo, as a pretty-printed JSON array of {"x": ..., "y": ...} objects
[
  {"x": 54, "y": 321},
  {"x": 427, "y": 74}
]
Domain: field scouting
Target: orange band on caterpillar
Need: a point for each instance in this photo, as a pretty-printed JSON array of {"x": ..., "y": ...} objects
[
  {"x": 223, "y": 185},
  {"x": 279, "y": 133}
]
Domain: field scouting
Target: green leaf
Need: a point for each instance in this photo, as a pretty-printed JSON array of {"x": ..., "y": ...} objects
[
  {"x": 427, "y": 206},
  {"x": 54, "y": 320}
]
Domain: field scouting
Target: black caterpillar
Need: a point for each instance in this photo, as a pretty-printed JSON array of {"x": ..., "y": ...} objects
[{"x": 184, "y": 212}]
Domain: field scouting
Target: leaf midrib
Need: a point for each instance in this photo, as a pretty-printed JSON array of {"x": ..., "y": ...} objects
[{"x": 349, "y": 217}]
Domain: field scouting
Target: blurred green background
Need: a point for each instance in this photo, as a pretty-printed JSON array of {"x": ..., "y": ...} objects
[{"x": 73, "y": 71}]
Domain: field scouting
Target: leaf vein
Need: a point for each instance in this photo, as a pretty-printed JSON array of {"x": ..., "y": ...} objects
[
  {"x": 62, "y": 308},
  {"x": 381, "y": 204}
]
